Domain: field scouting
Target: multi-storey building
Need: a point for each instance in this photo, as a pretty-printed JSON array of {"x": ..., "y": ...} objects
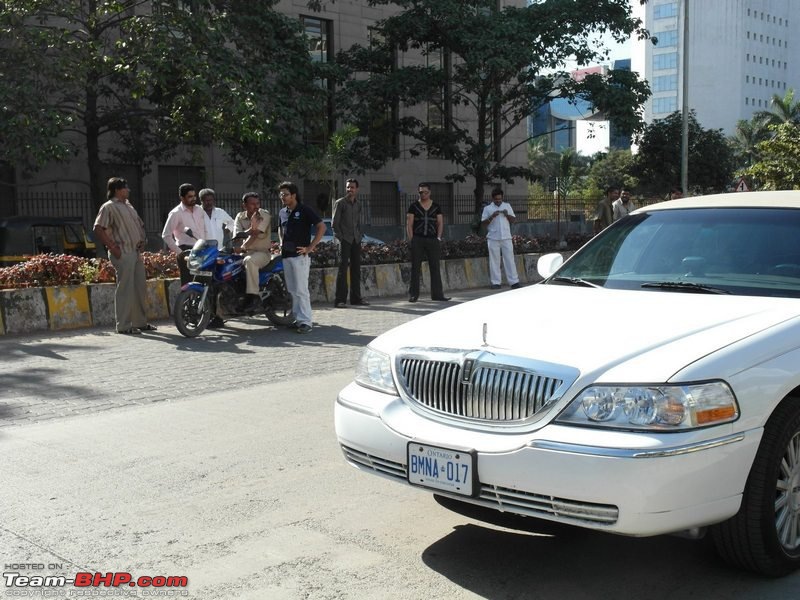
[
  {"x": 338, "y": 26},
  {"x": 740, "y": 54}
]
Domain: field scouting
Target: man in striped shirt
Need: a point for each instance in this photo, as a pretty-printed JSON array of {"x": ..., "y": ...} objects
[{"x": 120, "y": 229}]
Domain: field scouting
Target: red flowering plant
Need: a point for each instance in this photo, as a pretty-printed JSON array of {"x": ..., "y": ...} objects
[{"x": 43, "y": 270}]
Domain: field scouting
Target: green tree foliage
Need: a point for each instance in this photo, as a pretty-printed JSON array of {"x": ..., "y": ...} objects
[
  {"x": 325, "y": 164},
  {"x": 657, "y": 165},
  {"x": 469, "y": 57},
  {"x": 614, "y": 168},
  {"x": 127, "y": 81},
  {"x": 747, "y": 137},
  {"x": 778, "y": 166}
]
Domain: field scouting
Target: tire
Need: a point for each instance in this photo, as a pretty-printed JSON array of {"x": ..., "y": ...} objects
[
  {"x": 279, "y": 307},
  {"x": 764, "y": 536},
  {"x": 191, "y": 318}
]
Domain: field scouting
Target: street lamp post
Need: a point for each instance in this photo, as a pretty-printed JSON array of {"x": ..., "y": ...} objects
[{"x": 685, "y": 103}]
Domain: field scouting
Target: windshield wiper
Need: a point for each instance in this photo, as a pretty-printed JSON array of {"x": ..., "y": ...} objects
[
  {"x": 685, "y": 286},
  {"x": 575, "y": 281}
]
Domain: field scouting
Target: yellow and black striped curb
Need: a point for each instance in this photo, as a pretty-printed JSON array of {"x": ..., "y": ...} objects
[{"x": 78, "y": 306}]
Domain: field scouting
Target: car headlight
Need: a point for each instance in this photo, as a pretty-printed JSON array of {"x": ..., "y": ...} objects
[
  {"x": 374, "y": 370},
  {"x": 653, "y": 407}
]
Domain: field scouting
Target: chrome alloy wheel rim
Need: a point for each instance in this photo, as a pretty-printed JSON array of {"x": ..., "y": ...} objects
[{"x": 787, "y": 496}]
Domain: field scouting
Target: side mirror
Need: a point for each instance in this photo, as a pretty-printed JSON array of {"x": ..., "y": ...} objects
[
  {"x": 188, "y": 231},
  {"x": 549, "y": 264}
]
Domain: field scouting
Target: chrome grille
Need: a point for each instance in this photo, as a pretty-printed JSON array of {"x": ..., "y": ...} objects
[
  {"x": 477, "y": 391},
  {"x": 504, "y": 499}
]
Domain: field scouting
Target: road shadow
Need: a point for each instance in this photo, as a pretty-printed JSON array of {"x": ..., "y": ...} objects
[
  {"x": 11, "y": 350},
  {"x": 236, "y": 337},
  {"x": 554, "y": 561}
]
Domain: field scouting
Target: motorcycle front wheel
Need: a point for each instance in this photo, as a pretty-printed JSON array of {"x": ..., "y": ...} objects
[{"x": 191, "y": 317}]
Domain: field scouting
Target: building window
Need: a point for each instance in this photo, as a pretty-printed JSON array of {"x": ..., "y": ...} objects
[
  {"x": 668, "y": 60},
  {"x": 666, "y": 105},
  {"x": 748, "y": 35},
  {"x": 746, "y": 101},
  {"x": 664, "y": 11},
  {"x": 748, "y": 57},
  {"x": 667, "y": 39},
  {"x": 665, "y": 83},
  {"x": 747, "y": 78},
  {"x": 318, "y": 33},
  {"x": 439, "y": 109}
]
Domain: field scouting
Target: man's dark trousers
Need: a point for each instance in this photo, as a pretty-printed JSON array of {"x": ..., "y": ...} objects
[
  {"x": 431, "y": 249},
  {"x": 350, "y": 258}
]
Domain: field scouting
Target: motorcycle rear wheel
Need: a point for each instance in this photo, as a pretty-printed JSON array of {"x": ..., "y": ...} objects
[
  {"x": 190, "y": 317},
  {"x": 279, "y": 304}
]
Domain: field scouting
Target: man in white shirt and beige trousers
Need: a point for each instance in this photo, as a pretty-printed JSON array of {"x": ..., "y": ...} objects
[{"x": 498, "y": 217}]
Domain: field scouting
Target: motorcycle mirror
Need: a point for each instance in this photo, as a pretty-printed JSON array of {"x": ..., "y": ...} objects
[{"x": 188, "y": 231}]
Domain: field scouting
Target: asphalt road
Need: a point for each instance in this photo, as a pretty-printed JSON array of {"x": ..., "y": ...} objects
[{"x": 245, "y": 493}]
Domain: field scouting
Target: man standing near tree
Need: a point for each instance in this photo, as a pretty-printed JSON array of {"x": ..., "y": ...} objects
[
  {"x": 296, "y": 223},
  {"x": 346, "y": 223},
  {"x": 120, "y": 229},
  {"x": 498, "y": 217}
]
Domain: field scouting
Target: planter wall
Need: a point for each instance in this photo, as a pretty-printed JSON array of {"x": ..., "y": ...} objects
[{"x": 72, "y": 307}]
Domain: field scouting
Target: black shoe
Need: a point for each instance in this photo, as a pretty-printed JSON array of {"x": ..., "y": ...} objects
[
  {"x": 340, "y": 305},
  {"x": 294, "y": 325},
  {"x": 361, "y": 302},
  {"x": 250, "y": 303},
  {"x": 442, "y": 299},
  {"x": 494, "y": 286},
  {"x": 412, "y": 298},
  {"x": 215, "y": 323},
  {"x": 516, "y": 286}
]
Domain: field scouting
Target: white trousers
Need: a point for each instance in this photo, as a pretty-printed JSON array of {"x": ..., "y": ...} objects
[
  {"x": 504, "y": 249},
  {"x": 297, "y": 269}
]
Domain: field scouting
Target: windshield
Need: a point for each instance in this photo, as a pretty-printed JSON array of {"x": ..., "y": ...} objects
[{"x": 746, "y": 251}]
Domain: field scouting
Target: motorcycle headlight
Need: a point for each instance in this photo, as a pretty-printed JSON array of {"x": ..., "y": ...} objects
[
  {"x": 374, "y": 371},
  {"x": 653, "y": 407},
  {"x": 194, "y": 263}
]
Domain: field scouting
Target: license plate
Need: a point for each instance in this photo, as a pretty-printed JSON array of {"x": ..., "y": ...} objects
[
  {"x": 441, "y": 468},
  {"x": 201, "y": 273}
]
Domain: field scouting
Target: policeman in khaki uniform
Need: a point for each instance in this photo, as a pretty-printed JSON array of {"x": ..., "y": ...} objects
[{"x": 254, "y": 221}]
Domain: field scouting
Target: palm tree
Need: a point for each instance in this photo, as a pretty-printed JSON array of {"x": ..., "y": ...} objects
[
  {"x": 747, "y": 137},
  {"x": 783, "y": 109}
]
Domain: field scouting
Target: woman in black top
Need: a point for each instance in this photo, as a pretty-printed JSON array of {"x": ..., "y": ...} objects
[{"x": 424, "y": 226}]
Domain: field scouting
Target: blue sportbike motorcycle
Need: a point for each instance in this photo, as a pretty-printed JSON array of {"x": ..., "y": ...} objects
[{"x": 219, "y": 289}]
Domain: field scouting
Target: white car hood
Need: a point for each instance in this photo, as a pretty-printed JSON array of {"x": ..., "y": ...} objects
[{"x": 609, "y": 335}]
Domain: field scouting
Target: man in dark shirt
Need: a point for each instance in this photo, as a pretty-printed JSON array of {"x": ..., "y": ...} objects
[
  {"x": 424, "y": 228},
  {"x": 296, "y": 220},
  {"x": 346, "y": 225}
]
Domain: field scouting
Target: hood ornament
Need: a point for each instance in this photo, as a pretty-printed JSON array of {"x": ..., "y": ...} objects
[{"x": 485, "y": 331}]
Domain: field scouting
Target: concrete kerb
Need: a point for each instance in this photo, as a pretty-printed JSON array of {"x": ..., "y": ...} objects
[{"x": 72, "y": 307}]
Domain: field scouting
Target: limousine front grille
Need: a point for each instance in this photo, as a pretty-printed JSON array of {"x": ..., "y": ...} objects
[{"x": 487, "y": 392}]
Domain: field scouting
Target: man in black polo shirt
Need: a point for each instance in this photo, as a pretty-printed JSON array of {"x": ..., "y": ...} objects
[{"x": 296, "y": 220}]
